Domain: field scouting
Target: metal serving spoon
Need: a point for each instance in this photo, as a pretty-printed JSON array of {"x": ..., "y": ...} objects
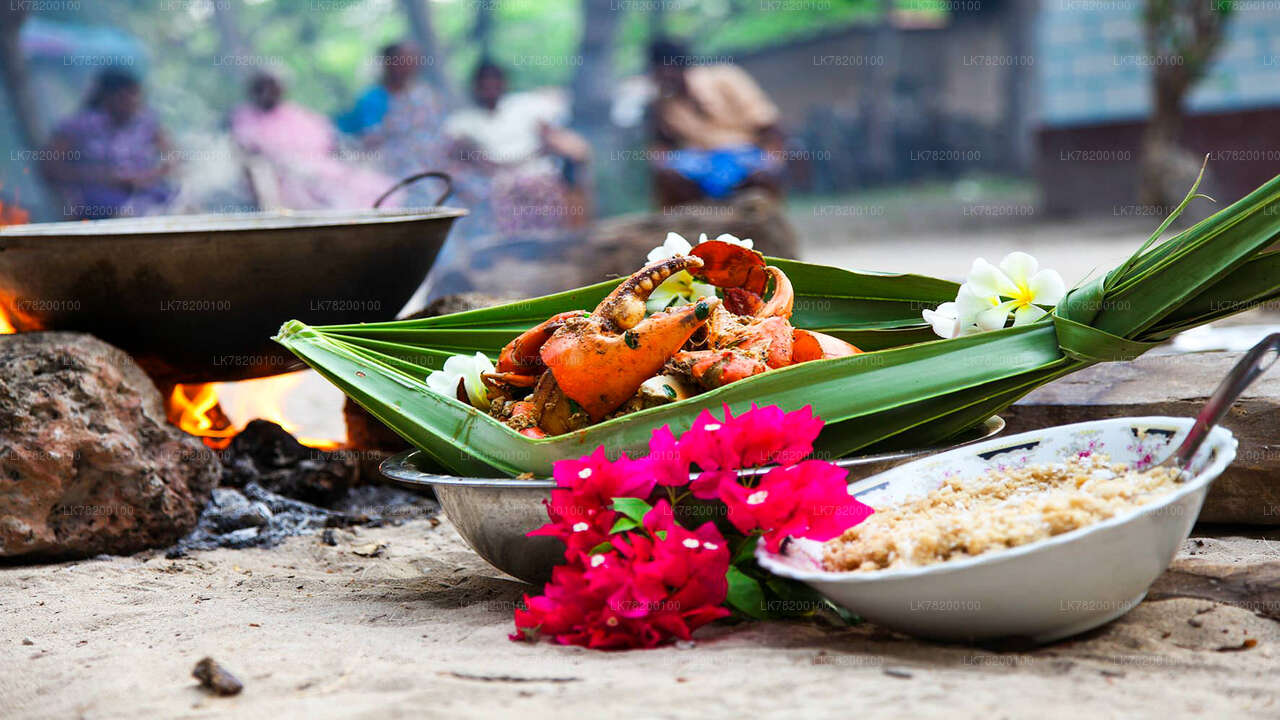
[{"x": 1254, "y": 363}]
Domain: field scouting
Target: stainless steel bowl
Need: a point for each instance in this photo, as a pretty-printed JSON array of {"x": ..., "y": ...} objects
[{"x": 494, "y": 515}]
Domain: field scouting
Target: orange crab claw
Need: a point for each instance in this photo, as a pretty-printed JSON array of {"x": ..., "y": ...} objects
[
  {"x": 601, "y": 370},
  {"x": 745, "y": 278},
  {"x": 600, "y": 361},
  {"x": 731, "y": 266},
  {"x": 808, "y": 345}
]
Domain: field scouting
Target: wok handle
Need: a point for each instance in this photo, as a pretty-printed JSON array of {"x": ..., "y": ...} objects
[{"x": 442, "y": 176}]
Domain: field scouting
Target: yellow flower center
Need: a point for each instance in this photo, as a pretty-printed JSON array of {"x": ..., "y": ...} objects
[{"x": 1023, "y": 297}]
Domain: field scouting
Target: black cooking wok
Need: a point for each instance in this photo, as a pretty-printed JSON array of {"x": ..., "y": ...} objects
[{"x": 197, "y": 297}]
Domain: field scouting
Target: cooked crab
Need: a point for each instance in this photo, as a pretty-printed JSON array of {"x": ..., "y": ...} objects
[{"x": 577, "y": 368}]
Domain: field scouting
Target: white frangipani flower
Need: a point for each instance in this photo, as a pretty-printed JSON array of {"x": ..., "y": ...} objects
[
  {"x": 1022, "y": 285},
  {"x": 945, "y": 320},
  {"x": 674, "y": 245},
  {"x": 984, "y": 302},
  {"x": 962, "y": 316},
  {"x": 465, "y": 370}
]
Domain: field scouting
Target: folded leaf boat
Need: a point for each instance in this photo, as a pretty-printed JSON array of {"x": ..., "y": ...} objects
[{"x": 907, "y": 389}]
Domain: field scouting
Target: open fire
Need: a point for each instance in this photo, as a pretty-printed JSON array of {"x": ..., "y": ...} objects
[
  {"x": 10, "y": 317},
  {"x": 217, "y": 412},
  {"x": 10, "y": 214},
  {"x": 195, "y": 409}
]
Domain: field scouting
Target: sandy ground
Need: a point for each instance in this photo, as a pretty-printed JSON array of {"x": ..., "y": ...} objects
[
  {"x": 317, "y": 631},
  {"x": 1076, "y": 248}
]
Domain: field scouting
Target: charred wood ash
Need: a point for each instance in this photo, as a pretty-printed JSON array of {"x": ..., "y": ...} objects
[
  {"x": 274, "y": 488},
  {"x": 266, "y": 454}
]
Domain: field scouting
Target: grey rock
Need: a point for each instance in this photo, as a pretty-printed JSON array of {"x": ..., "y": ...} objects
[
  {"x": 229, "y": 511},
  {"x": 88, "y": 462}
]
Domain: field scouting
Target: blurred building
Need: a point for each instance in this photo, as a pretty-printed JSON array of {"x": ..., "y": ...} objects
[
  {"x": 1054, "y": 89},
  {"x": 1093, "y": 83},
  {"x": 906, "y": 98}
]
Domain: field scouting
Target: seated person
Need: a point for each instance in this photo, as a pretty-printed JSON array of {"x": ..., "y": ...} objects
[
  {"x": 714, "y": 130},
  {"x": 533, "y": 165},
  {"x": 111, "y": 159},
  {"x": 299, "y": 147},
  {"x": 398, "y": 122}
]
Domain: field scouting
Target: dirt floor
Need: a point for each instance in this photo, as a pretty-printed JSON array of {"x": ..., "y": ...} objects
[
  {"x": 315, "y": 630},
  {"x": 1075, "y": 248}
]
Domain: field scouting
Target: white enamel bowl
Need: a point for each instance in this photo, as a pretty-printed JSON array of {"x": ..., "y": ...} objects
[{"x": 1042, "y": 591}]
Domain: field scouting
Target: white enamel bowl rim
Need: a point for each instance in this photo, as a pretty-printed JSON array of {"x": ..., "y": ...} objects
[{"x": 1220, "y": 440}]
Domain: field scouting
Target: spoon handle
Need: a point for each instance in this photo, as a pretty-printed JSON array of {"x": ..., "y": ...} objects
[{"x": 1254, "y": 363}]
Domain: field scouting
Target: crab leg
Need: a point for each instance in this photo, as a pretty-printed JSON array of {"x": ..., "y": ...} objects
[
  {"x": 809, "y": 345},
  {"x": 783, "y": 299}
]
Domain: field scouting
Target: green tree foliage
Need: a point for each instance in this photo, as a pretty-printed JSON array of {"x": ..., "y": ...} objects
[{"x": 324, "y": 47}]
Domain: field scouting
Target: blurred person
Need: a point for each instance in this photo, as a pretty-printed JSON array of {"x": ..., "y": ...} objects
[
  {"x": 111, "y": 158},
  {"x": 714, "y": 131},
  {"x": 399, "y": 121},
  {"x": 299, "y": 147},
  {"x": 532, "y": 165}
]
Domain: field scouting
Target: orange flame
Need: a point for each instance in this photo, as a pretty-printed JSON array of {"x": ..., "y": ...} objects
[
  {"x": 13, "y": 214},
  {"x": 10, "y": 215},
  {"x": 11, "y": 318},
  {"x": 196, "y": 409}
]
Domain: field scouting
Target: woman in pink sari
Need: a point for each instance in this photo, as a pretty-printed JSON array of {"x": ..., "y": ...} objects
[{"x": 299, "y": 147}]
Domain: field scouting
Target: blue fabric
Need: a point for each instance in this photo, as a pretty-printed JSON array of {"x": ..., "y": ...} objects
[
  {"x": 367, "y": 113},
  {"x": 718, "y": 172}
]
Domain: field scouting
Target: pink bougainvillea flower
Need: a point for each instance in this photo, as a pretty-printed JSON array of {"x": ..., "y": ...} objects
[
  {"x": 766, "y": 505},
  {"x": 642, "y": 586},
  {"x": 688, "y": 566},
  {"x": 760, "y": 436},
  {"x": 579, "y": 508},
  {"x": 666, "y": 461},
  {"x": 596, "y": 477},
  {"x": 653, "y": 587},
  {"x": 706, "y": 486},
  {"x": 768, "y": 435},
  {"x": 808, "y": 500},
  {"x": 825, "y": 509},
  {"x": 712, "y": 443},
  {"x": 581, "y": 526}
]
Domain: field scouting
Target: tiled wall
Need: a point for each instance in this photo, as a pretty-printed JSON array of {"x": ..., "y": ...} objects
[{"x": 1092, "y": 65}]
